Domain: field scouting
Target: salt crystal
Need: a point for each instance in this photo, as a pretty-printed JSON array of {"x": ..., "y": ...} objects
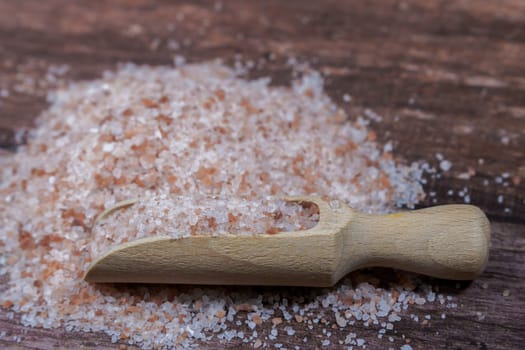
[
  {"x": 108, "y": 147},
  {"x": 420, "y": 301},
  {"x": 445, "y": 165},
  {"x": 340, "y": 320}
]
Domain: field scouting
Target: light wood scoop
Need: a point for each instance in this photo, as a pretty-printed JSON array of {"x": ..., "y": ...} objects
[{"x": 449, "y": 241}]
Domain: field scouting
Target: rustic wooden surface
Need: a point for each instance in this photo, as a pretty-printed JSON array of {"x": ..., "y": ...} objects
[{"x": 446, "y": 76}]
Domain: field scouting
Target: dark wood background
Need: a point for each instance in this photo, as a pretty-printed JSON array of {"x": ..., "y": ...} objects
[{"x": 446, "y": 76}]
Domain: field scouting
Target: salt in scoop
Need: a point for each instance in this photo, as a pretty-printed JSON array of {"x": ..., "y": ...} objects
[{"x": 448, "y": 241}]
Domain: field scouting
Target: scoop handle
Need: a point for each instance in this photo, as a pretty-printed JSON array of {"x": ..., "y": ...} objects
[{"x": 449, "y": 241}]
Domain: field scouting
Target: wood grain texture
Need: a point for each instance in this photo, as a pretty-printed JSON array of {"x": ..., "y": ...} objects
[
  {"x": 446, "y": 76},
  {"x": 445, "y": 241}
]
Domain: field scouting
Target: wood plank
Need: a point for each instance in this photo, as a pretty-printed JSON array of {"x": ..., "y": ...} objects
[{"x": 446, "y": 76}]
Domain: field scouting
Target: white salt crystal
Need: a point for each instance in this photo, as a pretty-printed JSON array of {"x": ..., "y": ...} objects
[
  {"x": 108, "y": 147},
  {"x": 340, "y": 320},
  {"x": 445, "y": 165},
  {"x": 420, "y": 301}
]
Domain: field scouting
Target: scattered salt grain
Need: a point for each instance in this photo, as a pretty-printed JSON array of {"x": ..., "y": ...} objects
[
  {"x": 340, "y": 320},
  {"x": 445, "y": 165},
  {"x": 373, "y": 115},
  {"x": 289, "y": 330},
  {"x": 274, "y": 332},
  {"x": 420, "y": 301}
]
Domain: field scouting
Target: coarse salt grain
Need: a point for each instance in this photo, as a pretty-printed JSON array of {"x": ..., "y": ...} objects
[
  {"x": 445, "y": 165},
  {"x": 191, "y": 139}
]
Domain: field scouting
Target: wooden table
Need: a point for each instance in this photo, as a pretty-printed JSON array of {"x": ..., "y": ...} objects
[{"x": 446, "y": 76}]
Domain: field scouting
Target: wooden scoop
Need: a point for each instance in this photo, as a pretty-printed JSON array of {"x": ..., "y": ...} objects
[{"x": 449, "y": 241}]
